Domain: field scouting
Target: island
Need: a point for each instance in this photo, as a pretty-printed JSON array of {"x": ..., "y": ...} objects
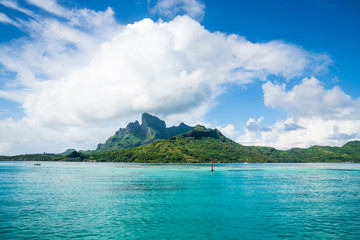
[{"x": 152, "y": 142}]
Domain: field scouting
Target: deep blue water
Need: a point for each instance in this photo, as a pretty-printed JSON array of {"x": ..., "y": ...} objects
[{"x": 153, "y": 201}]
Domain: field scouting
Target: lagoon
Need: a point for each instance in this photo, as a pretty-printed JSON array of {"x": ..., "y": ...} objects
[{"x": 66, "y": 200}]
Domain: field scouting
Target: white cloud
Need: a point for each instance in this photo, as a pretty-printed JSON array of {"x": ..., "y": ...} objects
[
  {"x": 92, "y": 19},
  {"x": 15, "y": 6},
  {"x": 87, "y": 71},
  {"x": 56, "y": 47},
  {"x": 316, "y": 116},
  {"x": 251, "y": 131},
  {"x": 5, "y": 19},
  {"x": 314, "y": 131},
  {"x": 288, "y": 60},
  {"x": 171, "y": 8},
  {"x": 229, "y": 130},
  {"x": 26, "y": 136},
  {"x": 51, "y": 6},
  {"x": 252, "y": 125},
  {"x": 310, "y": 99},
  {"x": 16, "y": 96},
  {"x": 159, "y": 67}
]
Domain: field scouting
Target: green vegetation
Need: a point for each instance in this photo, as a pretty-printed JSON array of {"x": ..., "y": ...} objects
[
  {"x": 196, "y": 146},
  {"x": 31, "y": 157},
  {"x": 153, "y": 142},
  {"x": 200, "y": 145},
  {"x": 134, "y": 135}
]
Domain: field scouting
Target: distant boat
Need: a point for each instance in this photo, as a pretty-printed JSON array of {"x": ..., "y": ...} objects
[{"x": 37, "y": 164}]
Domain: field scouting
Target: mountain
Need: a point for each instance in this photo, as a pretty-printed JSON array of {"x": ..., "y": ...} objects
[
  {"x": 136, "y": 134},
  {"x": 201, "y": 144},
  {"x": 197, "y": 145}
]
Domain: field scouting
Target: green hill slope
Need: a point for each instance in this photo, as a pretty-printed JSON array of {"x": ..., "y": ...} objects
[
  {"x": 196, "y": 146},
  {"x": 200, "y": 145},
  {"x": 136, "y": 134},
  {"x": 350, "y": 152}
]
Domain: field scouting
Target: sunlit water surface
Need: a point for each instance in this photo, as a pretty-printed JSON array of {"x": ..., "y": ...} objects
[{"x": 60, "y": 200}]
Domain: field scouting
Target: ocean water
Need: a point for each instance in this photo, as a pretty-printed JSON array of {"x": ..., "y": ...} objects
[{"x": 60, "y": 200}]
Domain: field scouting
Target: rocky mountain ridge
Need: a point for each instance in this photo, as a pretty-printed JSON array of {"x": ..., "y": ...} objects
[
  {"x": 198, "y": 145},
  {"x": 135, "y": 134}
]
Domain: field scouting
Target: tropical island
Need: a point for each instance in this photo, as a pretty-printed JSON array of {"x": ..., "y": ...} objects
[{"x": 152, "y": 142}]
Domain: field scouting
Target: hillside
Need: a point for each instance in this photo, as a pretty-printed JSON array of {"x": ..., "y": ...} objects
[
  {"x": 350, "y": 152},
  {"x": 198, "y": 145},
  {"x": 135, "y": 134},
  {"x": 201, "y": 144}
]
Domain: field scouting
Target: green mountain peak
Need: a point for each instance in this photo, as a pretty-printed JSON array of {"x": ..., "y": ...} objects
[
  {"x": 135, "y": 134},
  {"x": 191, "y": 145},
  {"x": 200, "y": 132},
  {"x": 150, "y": 121}
]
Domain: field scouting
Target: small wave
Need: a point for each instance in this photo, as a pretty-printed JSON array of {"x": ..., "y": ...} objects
[
  {"x": 245, "y": 170},
  {"x": 341, "y": 169}
]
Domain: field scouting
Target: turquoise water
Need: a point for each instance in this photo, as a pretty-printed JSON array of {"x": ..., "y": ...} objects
[{"x": 143, "y": 201}]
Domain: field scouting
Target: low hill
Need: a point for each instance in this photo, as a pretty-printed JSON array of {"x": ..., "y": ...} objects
[{"x": 350, "y": 152}]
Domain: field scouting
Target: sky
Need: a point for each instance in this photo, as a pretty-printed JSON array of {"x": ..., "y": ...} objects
[{"x": 271, "y": 73}]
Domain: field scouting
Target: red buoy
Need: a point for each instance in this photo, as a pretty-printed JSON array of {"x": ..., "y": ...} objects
[{"x": 212, "y": 168}]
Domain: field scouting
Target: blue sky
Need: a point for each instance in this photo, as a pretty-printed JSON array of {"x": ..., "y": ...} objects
[{"x": 275, "y": 73}]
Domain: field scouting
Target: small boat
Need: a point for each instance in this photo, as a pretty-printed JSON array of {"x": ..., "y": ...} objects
[{"x": 37, "y": 164}]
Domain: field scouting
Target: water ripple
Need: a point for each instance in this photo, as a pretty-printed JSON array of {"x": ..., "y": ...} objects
[{"x": 125, "y": 201}]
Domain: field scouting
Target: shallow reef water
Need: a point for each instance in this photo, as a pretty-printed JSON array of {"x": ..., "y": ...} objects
[{"x": 63, "y": 200}]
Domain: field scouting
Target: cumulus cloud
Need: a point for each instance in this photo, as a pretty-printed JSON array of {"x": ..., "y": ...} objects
[
  {"x": 159, "y": 67},
  {"x": 316, "y": 116},
  {"x": 229, "y": 130},
  {"x": 317, "y": 131},
  {"x": 252, "y": 125},
  {"x": 292, "y": 127},
  {"x": 313, "y": 131},
  {"x": 252, "y": 129},
  {"x": 171, "y": 8},
  {"x": 26, "y": 136},
  {"x": 84, "y": 70},
  {"x": 310, "y": 99}
]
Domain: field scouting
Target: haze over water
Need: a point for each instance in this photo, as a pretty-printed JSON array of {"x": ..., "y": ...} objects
[{"x": 60, "y": 200}]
